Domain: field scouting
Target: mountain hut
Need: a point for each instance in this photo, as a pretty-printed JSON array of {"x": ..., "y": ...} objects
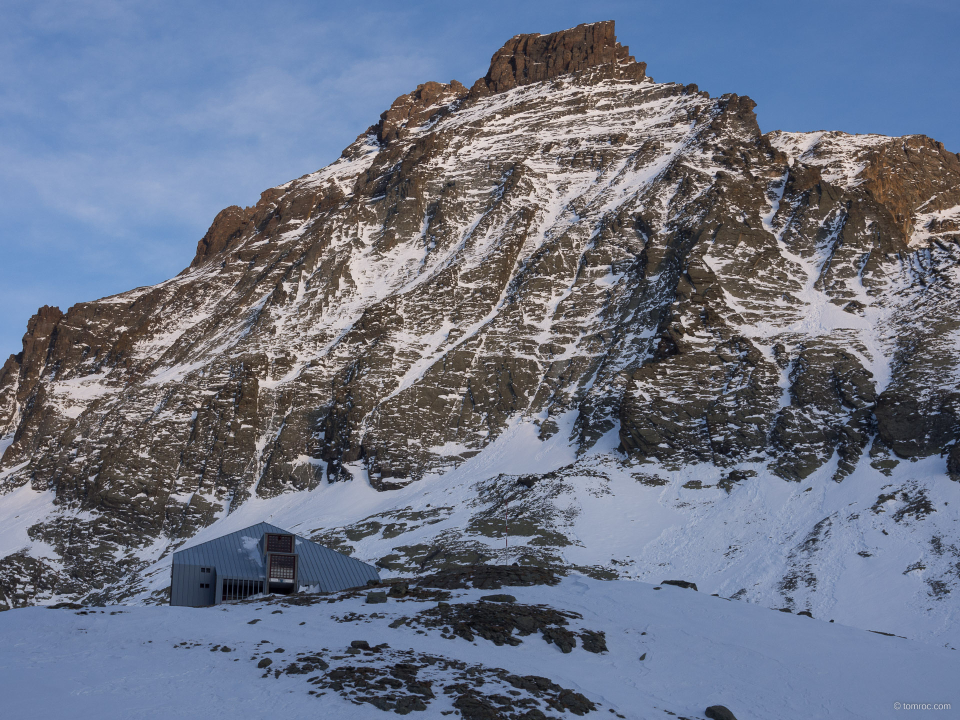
[{"x": 257, "y": 560}]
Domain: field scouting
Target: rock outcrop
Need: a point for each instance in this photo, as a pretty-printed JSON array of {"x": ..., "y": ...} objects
[{"x": 536, "y": 58}]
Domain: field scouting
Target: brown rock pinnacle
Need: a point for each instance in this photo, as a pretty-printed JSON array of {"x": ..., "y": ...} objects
[{"x": 526, "y": 59}]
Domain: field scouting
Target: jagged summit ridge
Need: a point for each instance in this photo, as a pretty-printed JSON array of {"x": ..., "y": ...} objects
[
  {"x": 664, "y": 304},
  {"x": 534, "y": 58},
  {"x": 523, "y": 59}
]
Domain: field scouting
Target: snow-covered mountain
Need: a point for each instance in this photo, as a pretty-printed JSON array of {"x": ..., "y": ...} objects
[{"x": 606, "y": 311}]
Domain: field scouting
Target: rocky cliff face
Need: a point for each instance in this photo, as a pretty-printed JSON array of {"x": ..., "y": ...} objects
[{"x": 627, "y": 275}]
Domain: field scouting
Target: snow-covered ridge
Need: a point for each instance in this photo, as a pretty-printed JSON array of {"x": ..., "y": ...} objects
[{"x": 838, "y": 154}]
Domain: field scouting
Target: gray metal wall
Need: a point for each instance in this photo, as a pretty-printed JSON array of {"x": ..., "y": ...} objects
[
  {"x": 185, "y": 587},
  {"x": 224, "y": 553},
  {"x": 329, "y": 569}
]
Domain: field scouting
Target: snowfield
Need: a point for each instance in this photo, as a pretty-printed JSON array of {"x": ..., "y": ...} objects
[{"x": 156, "y": 662}]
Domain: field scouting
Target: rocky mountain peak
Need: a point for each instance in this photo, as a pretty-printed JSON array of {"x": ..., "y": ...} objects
[
  {"x": 523, "y": 60},
  {"x": 526, "y": 59}
]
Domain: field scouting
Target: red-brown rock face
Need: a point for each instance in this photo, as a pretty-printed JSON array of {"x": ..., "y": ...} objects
[{"x": 526, "y": 59}]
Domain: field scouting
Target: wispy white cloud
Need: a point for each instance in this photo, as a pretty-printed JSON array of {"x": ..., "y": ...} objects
[{"x": 126, "y": 126}]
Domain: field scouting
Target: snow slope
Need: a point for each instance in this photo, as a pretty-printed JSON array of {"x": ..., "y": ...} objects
[
  {"x": 699, "y": 651},
  {"x": 872, "y": 564}
]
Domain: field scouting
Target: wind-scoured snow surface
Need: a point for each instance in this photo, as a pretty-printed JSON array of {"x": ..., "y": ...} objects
[
  {"x": 696, "y": 651},
  {"x": 606, "y": 314}
]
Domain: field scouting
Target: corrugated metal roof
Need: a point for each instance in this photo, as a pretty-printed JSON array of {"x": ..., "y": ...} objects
[{"x": 237, "y": 556}]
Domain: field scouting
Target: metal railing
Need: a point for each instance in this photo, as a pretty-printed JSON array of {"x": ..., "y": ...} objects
[{"x": 240, "y": 589}]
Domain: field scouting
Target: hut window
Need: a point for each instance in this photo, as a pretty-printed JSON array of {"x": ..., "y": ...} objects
[
  {"x": 283, "y": 567},
  {"x": 280, "y": 543}
]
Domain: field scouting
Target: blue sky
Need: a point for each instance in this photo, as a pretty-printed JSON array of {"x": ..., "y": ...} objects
[{"x": 126, "y": 126}]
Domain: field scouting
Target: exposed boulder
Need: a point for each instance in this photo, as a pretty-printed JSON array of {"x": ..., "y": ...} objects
[
  {"x": 719, "y": 712},
  {"x": 680, "y": 583}
]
